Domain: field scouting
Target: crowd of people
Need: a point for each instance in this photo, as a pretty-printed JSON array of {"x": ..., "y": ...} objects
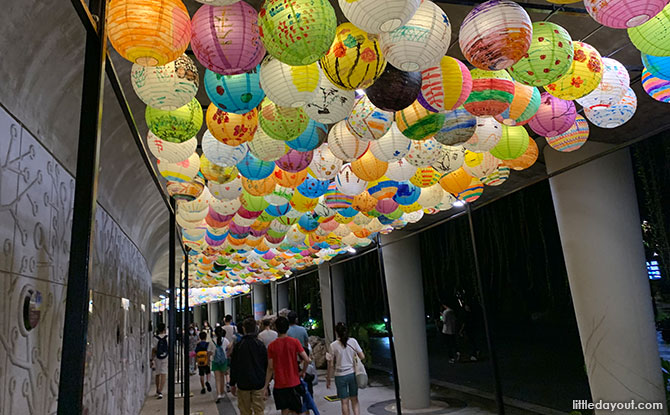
[{"x": 272, "y": 354}]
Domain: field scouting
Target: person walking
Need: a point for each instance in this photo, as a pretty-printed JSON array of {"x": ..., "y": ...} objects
[
  {"x": 300, "y": 333},
  {"x": 283, "y": 355},
  {"x": 159, "y": 358},
  {"x": 204, "y": 351},
  {"x": 248, "y": 367},
  {"x": 220, "y": 361},
  {"x": 231, "y": 330},
  {"x": 449, "y": 331},
  {"x": 192, "y": 342},
  {"x": 341, "y": 364},
  {"x": 268, "y": 335}
]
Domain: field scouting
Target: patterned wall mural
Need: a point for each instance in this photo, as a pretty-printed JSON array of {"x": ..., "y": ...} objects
[{"x": 36, "y": 197}]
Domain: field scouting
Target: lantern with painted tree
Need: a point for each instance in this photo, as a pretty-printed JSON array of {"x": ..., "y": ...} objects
[
  {"x": 324, "y": 163},
  {"x": 166, "y": 87},
  {"x": 391, "y": 146},
  {"x": 239, "y": 93},
  {"x": 418, "y": 123},
  {"x": 450, "y": 159},
  {"x": 394, "y": 89},
  {"x": 526, "y": 160},
  {"x": 254, "y": 168},
  {"x": 573, "y": 139},
  {"x": 458, "y": 127},
  {"x": 657, "y": 88},
  {"x": 265, "y": 147},
  {"x": 486, "y": 136},
  {"x": 445, "y": 86},
  {"x": 282, "y": 123},
  {"x": 525, "y": 104},
  {"x": 614, "y": 115},
  {"x": 612, "y": 87},
  {"x": 583, "y": 76},
  {"x": 345, "y": 145},
  {"x": 181, "y": 171},
  {"x": 368, "y": 122},
  {"x": 169, "y": 151},
  {"x": 368, "y": 167},
  {"x": 492, "y": 93},
  {"x": 555, "y": 116},
  {"x": 376, "y": 16},
  {"x": 286, "y": 85},
  {"x": 330, "y": 104},
  {"x": 176, "y": 125},
  {"x": 314, "y": 135},
  {"x": 424, "y": 153},
  {"x": 622, "y": 14},
  {"x": 456, "y": 181},
  {"x": 230, "y": 128},
  {"x": 512, "y": 144}
]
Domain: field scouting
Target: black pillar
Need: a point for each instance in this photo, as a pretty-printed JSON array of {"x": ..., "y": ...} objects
[
  {"x": 186, "y": 316},
  {"x": 172, "y": 311}
]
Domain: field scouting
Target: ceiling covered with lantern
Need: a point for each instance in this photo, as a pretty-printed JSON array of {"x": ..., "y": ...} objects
[{"x": 290, "y": 132}]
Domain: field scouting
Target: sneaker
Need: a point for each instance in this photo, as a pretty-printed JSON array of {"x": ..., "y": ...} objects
[
  {"x": 228, "y": 388},
  {"x": 202, "y": 391},
  {"x": 218, "y": 399},
  {"x": 209, "y": 387},
  {"x": 159, "y": 396},
  {"x": 473, "y": 359}
]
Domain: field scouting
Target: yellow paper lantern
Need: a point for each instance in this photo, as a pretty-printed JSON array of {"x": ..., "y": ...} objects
[
  {"x": 368, "y": 167},
  {"x": 456, "y": 181},
  {"x": 220, "y": 174},
  {"x": 259, "y": 187},
  {"x": 286, "y": 85},
  {"x": 583, "y": 76},
  {"x": 230, "y": 128}
]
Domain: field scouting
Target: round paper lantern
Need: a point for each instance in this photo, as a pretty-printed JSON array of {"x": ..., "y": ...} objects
[
  {"x": 226, "y": 191},
  {"x": 348, "y": 183},
  {"x": 498, "y": 177},
  {"x": 479, "y": 164},
  {"x": 177, "y": 125},
  {"x": 450, "y": 159},
  {"x": 524, "y": 105},
  {"x": 313, "y": 188},
  {"x": 282, "y": 123},
  {"x": 400, "y": 170},
  {"x": 612, "y": 87},
  {"x": 658, "y": 66},
  {"x": 330, "y": 104},
  {"x": 324, "y": 163},
  {"x": 456, "y": 181},
  {"x": 487, "y": 134},
  {"x": 572, "y": 139},
  {"x": 391, "y": 146},
  {"x": 657, "y": 88},
  {"x": 222, "y": 154},
  {"x": 148, "y": 32},
  {"x": 614, "y": 115},
  {"x": 265, "y": 147},
  {"x": 495, "y": 35},
  {"x": 368, "y": 122},
  {"x": 421, "y": 42},
  {"x": 254, "y": 168},
  {"x": 182, "y": 171},
  {"x": 363, "y": 202},
  {"x": 418, "y": 123},
  {"x": 548, "y": 58},
  {"x": 526, "y": 160},
  {"x": 555, "y": 116},
  {"x": 354, "y": 61},
  {"x": 230, "y": 128},
  {"x": 218, "y": 2},
  {"x": 458, "y": 127},
  {"x": 289, "y": 86},
  {"x": 622, "y": 14},
  {"x": 472, "y": 192},
  {"x": 314, "y": 135},
  {"x": 376, "y": 16},
  {"x": 583, "y": 76},
  {"x": 215, "y": 172},
  {"x": 168, "y": 151},
  {"x": 238, "y": 93},
  {"x": 297, "y": 32},
  {"x": 368, "y": 167},
  {"x": 512, "y": 144},
  {"x": 226, "y": 39},
  {"x": 492, "y": 93},
  {"x": 287, "y": 179},
  {"x": 395, "y": 89},
  {"x": 166, "y": 87},
  {"x": 260, "y": 187},
  {"x": 424, "y": 153},
  {"x": 445, "y": 86},
  {"x": 653, "y": 36},
  {"x": 430, "y": 196},
  {"x": 295, "y": 161},
  {"x": 345, "y": 145}
]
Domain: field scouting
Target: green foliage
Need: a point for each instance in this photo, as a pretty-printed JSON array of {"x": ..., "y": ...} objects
[
  {"x": 361, "y": 334},
  {"x": 665, "y": 368}
]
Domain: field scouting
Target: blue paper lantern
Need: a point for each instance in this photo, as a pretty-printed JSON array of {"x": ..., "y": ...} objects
[
  {"x": 348, "y": 212},
  {"x": 407, "y": 194},
  {"x": 238, "y": 93},
  {"x": 308, "y": 222},
  {"x": 658, "y": 66},
  {"x": 314, "y": 135},
  {"x": 313, "y": 188},
  {"x": 254, "y": 168},
  {"x": 277, "y": 211}
]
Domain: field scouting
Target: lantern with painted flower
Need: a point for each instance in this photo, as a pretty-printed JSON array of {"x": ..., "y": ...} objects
[
  {"x": 584, "y": 74},
  {"x": 573, "y": 139},
  {"x": 265, "y": 147},
  {"x": 289, "y": 179},
  {"x": 492, "y": 93},
  {"x": 424, "y": 153},
  {"x": 324, "y": 163},
  {"x": 418, "y": 123},
  {"x": 181, "y": 171},
  {"x": 330, "y": 104},
  {"x": 395, "y": 89},
  {"x": 612, "y": 87},
  {"x": 260, "y": 187},
  {"x": 230, "y": 128},
  {"x": 345, "y": 145},
  {"x": 169, "y": 151},
  {"x": 555, "y": 116},
  {"x": 622, "y": 14},
  {"x": 525, "y": 104},
  {"x": 391, "y": 146},
  {"x": 176, "y": 125},
  {"x": 446, "y": 86},
  {"x": 657, "y": 88},
  {"x": 286, "y": 85},
  {"x": 486, "y": 136},
  {"x": 614, "y": 115},
  {"x": 458, "y": 127},
  {"x": 166, "y": 87},
  {"x": 368, "y": 122},
  {"x": 238, "y": 93},
  {"x": 282, "y": 123},
  {"x": 512, "y": 144}
]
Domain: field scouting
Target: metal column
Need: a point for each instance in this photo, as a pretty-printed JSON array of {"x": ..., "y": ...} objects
[
  {"x": 75, "y": 330},
  {"x": 172, "y": 311},
  {"x": 187, "y": 367}
]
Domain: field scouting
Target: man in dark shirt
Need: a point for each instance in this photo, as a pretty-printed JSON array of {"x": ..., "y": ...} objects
[{"x": 248, "y": 365}]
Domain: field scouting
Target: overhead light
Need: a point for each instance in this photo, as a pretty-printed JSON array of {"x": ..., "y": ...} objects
[
  {"x": 351, "y": 249},
  {"x": 161, "y": 296},
  {"x": 459, "y": 203},
  {"x": 360, "y": 91}
]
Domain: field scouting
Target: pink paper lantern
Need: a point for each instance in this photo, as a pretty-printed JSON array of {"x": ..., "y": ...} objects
[
  {"x": 622, "y": 14},
  {"x": 295, "y": 161},
  {"x": 226, "y": 39},
  {"x": 386, "y": 206},
  {"x": 555, "y": 116}
]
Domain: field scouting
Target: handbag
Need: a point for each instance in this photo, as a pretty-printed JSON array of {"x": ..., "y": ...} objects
[{"x": 359, "y": 371}]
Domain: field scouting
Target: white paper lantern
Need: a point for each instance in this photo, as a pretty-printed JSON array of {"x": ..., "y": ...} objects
[
  {"x": 612, "y": 87},
  {"x": 430, "y": 196},
  {"x": 181, "y": 171},
  {"x": 421, "y": 42},
  {"x": 226, "y": 207},
  {"x": 169, "y": 151},
  {"x": 226, "y": 191},
  {"x": 166, "y": 87},
  {"x": 614, "y": 115},
  {"x": 325, "y": 165},
  {"x": 280, "y": 196},
  {"x": 368, "y": 122},
  {"x": 487, "y": 134},
  {"x": 348, "y": 183},
  {"x": 289, "y": 86},
  {"x": 479, "y": 164},
  {"x": 376, "y": 16},
  {"x": 400, "y": 170},
  {"x": 392, "y": 146},
  {"x": 450, "y": 159},
  {"x": 265, "y": 147},
  {"x": 446, "y": 203},
  {"x": 222, "y": 154},
  {"x": 424, "y": 153},
  {"x": 343, "y": 144},
  {"x": 329, "y": 104}
]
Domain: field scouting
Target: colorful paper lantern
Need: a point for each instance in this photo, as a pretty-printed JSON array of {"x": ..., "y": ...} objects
[
  {"x": 226, "y": 191},
  {"x": 612, "y": 87},
  {"x": 343, "y": 144},
  {"x": 424, "y": 153},
  {"x": 354, "y": 61},
  {"x": 548, "y": 58},
  {"x": 330, "y": 104},
  {"x": 583, "y": 76},
  {"x": 254, "y": 168},
  {"x": 376, "y": 16},
  {"x": 238, "y": 93},
  {"x": 265, "y": 147},
  {"x": 657, "y": 88},
  {"x": 573, "y": 139},
  {"x": 182, "y": 171},
  {"x": 492, "y": 93},
  {"x": 289, "y": 86},
  {"x": 524, "y": 105},
  {"x": 312, "y": 187},
  {"x": 401, "y": 170},
  {"x": 495, "y": 35},
  {"x": 458, "y": 127},
  {"x": 168, "y": 151},
  {"x": 282, "y": 123},
  {"x": 653, "y": 36},
  {"x": 176, "y": 125},
  {"x": 218, "y": 2},
  {"x": 614, "y": 115},
  {"x": 498, "y": 177},
  {"x": 368, "y": 122},
  {"x": 220, "y": 153},
  {"x": 512, "y": 144},
  {"x": 526, "y": 160},
  {"x": 260, "y": 187},
  {"x": 391, "y": 146},
  {"x": 418, "y": 123},
  {"x": 348, "y": 183},
  {"x": 226, "y": 39},
  {"x": 450, "y": 159},
  {"x": 314, "y": 135},
  {"x": 472, "y": 192},
  {"x": 286, "y": 179},
  {"x": 479, "y": 164},
  {"x": 166, "y": 87},
  {"x": 456, "y": 181},
  {"x": 622, "y": 14},
  {"x": 363, "y": 202},
  {"x": 295, "y": 161},
  {"x": 368, "y": 167},
  {"x": 230, "y": 128},
  {"x": 487, "y": 134},
  {"x": 421, "y": 42},
  {"x": 395, "y": 89},
  {"x": 555, "y": 116},
  {"x": 445, "y": 86},
  {"x": 658, "y": 66},
  {"x": 324, "y": 163},
  {"x": 148, "y": 32},
  {"x": 214, "y": 172}
]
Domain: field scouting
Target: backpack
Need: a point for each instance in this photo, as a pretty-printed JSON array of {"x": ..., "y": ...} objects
[
  {"x": 220, "y": 357},
  {"x": 202, "y": 358},
  {"x": 162, "y": 347}
]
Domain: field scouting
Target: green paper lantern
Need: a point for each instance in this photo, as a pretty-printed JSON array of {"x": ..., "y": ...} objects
[
  {"x": 177, "y": 125},
  {"x": 253, "y": 203},
  {"x": 653, "y": 36},
  {"x": 282, "y": 123},
  {"x": 512, "y": 144}
]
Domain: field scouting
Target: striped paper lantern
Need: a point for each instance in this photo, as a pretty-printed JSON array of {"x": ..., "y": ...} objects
[
  {"x": 498, "y": 177},
  {"x": 148, "y": 32},
  {"x": 548, "y": 58},
  {"x": 168, "y": 151},
  {"x": 555, "y": 116},
  {"x": 583, "y": 76},
  {"x": 295, "y": 161},
  {"x": 418, "y": 123},
  {"x": 445, "y": 86},
  {"x": 653, "y": 36},
  {"x": 282, "y": 123},
  {"x": 220, "y": 153},
  {"x": 254, "y": 168},
  {"x": 238, "y": 93},
  {"x": 424, "y": 153},
  {"x": 615, "y": 115},
  {"x": 658, "y": 66},
  {"x": 324, "y": 163},
  {"x": 368, "y": 122},
  {"x": 344, "y": 145},
  {"x": 330, "y": 104},
  {"x": 622, "y": 14},
  {"x": 424, "y": 177},
  {"x": 472, "y": 192},
  {"x": 166, "y": 87},
  {"x": 524, "y": 105},
  {"x": 495, "y": 35},
  {"x": 354, "y": 60},
  {"x": 492, "y": 93},
  {"x": 450, "y": 159},
  {"x": 226, "y": 39},
  {"x": 573, "y": 139},
  {"x": 512, "y": 144},
  {"x": 368, "y": 167},
  {"x": 314, "y": 135},
  {"x": 176, "y": 125},
  {"x": 265, "y": 147},
  {"x": 376, "y": 16},
  {"x": 458, "y": 127},
  {"x": 289, "y": 86},
  {"x": 394, "y": 89},
  {"x": 487, "y": 134},
  {"x": 421, "y": 42},
  {"x": 526, "y": 160},
  {"x": 182, "y": 171},
  {"x": 612, "y": 87},
  {"x": 391, "y": 146},
  {"x": 479, "y": 164},
  {"x": 230, "y": 128},
  {"x": 657, "y": 88}
]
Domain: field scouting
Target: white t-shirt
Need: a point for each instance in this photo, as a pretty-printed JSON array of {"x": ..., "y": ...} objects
[
  {"x": 154, "y": 341},
  {"x": 344, "y": 356},
  {"x": 267, "y": 336},
  {"x": 212, "y": 346},
  {"x": 230, "y": 332}
]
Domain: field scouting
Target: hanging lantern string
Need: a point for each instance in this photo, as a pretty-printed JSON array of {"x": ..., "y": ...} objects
[
  {"x": 591, "y": 33},
  {"x": 615, "y": 51},
  {"x": 454, "y": 42},
  {"x": 553, "y": 12}
]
